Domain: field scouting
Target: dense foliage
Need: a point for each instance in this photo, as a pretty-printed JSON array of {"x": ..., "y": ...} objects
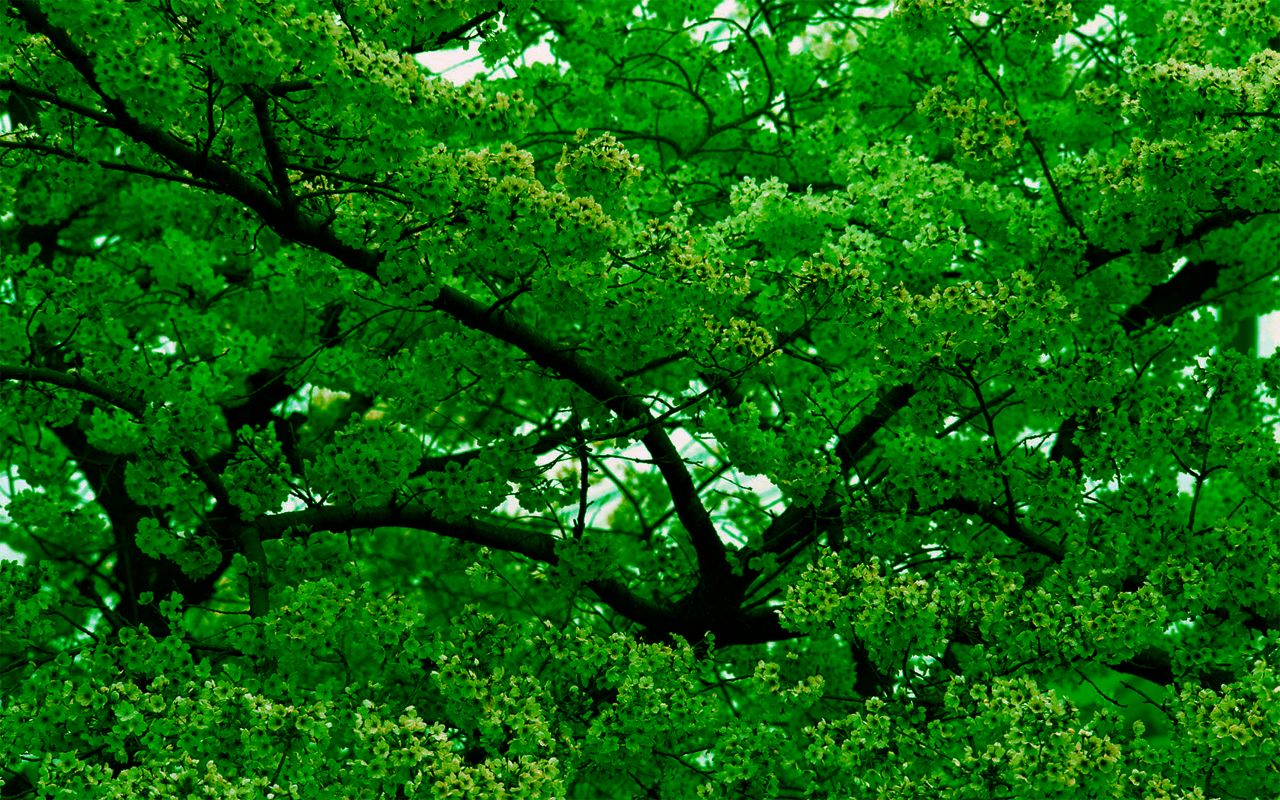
[{"x": 771, "y": 399}]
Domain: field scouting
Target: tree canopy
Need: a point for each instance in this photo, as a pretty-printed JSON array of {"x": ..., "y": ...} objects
[{"x": 746, "y": 400}]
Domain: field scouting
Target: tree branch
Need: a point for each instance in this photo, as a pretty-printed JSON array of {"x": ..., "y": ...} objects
[
  {"x": 538, "y": 545},
  {"x": 1165, "y": 301},
  {"x": 459, "y": 32},
  {"x": 40, "y": 95},
  {"x": 851, "y": 445},
  {"x": 271, "y": 146},
  {"x": 713, "y": 563},
  {"x": 1000, "y": 519},
  {"x": 1096, "y": 257},
  {"x": 798, "y": 523},
  {"x": 74, "y": 382},
  {"x": 1036, "y": 147}
]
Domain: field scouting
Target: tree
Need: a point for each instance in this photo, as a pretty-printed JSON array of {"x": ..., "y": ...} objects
[{"x": 767, "y": 399}]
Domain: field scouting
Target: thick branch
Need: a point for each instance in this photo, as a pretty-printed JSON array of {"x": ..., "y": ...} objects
[
  {"x": 538, "y": 545},
  {"x": 850, "y": 446},
  {"x": 137, "y": 409},
  {"x": 131, "y": 568},
  {"x": 271, "y": 146},
  {"x": 77, "y": 383},
  {"x": 798, "y": 522},
  {"x": 458, "y": 33},
  {"x": 1096, "y": 257},
  {"x": 40, "y": 95},
  {"x": 1165, "y": 301}
]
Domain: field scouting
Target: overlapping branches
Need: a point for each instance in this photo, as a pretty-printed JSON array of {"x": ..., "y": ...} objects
[
  {"x": 292, "y": 223},
  {"x": 276, "y": 202}
]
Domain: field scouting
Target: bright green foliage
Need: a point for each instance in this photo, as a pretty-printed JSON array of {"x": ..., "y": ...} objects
[{"x": 724, "y": 400}]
